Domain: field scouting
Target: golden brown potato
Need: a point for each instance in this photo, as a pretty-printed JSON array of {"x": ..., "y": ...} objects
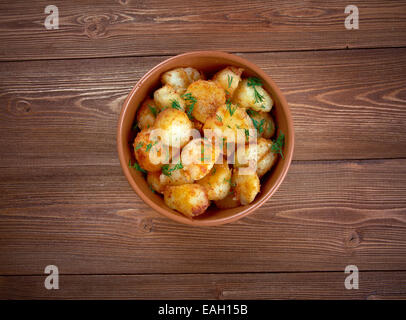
[
  {"x": 263, "y": 122},
  {"x": 175, "y": 127},
  {"x": 209, "y": 96},
  {"x": 146, "y": 114},
  {"x": 174, "y": 175},
  {"x": 245, "y": 155},
  {"x": 224, "y": 119},
  {"x": 246, "y": 96},
  {"x": 193, "y": 74},
  {"x": 217, "y": 182},
  {"x": 247, "y": 186},
  {"x": 230, "y": 201},
  {"x": 167, "y": 97},
  {"x": 228, "y": 79},
  {"x": 266, "y": 158},
  {"x": 189, "y": 199},
  {"x": 148, "y": 152},
  {"x": 154, "y": 182},
  {"x": 198, "y": 157},
  {"x": 231, "y": 125},
  {"x": 181, "y": 78}
]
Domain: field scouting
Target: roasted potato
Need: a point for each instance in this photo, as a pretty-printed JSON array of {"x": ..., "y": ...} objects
[
  {"x": 208, "y": 95},
  {"x": 232, "y": 126},
  {"x": 217, "y": 182},
  {"x": 250, "y": 94},
  {"x": 146, "y": 114},
  {"x": 245, "y": 155},
  {"x": 247, "y": 185},
  {"x": 263, "y": 122},
  {"x": 167, "y": 97},
  {"x": 198, "y": 157},
  {"x": 154, "y": 182},
  {"x": 189, "y": 199},
  {"x": 228, "y": 79},
  {"x": 172, "y": 175},
  {"x": 181, "y": 78},
  {"x": 148, "y": 159},
  {"x": 175, "y": 127},
  {"x": 266, "y": 158}
]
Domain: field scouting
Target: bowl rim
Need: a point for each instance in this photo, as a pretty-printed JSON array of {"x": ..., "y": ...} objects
[{"x": 289, "y": 144}]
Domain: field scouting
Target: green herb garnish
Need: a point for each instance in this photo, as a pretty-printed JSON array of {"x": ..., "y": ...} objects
[
  {"x": 219, "y": 118},
  {"x": 230, "y": 80},
  {"x": 278, "y": 144},
  {"x": 175, "y": 104},
  {"x": 153, "y": 110},
  {"x": 252, "y": 113},
  {"x": 258, "y": 125},
  {"x": 247, "y": 134},
  {"x": 150, "y": 145},
  {"x": 254, "y": 82},
  {"x": 191, "y": 103},
  {"x": 230, "y": 110},
  {"x": 229, "y": 181},
  {"x": 139, "y": 146},
  {"x": 168, "y": 171},
  {"x": 136, "y": 166}
]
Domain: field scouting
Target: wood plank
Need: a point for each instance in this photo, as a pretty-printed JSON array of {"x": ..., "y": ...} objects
[
  {"x": 128, "y": 27},
  {"x": 318, "y": 285},
  {"x": 345, "y": 105},
  {"x": 87, "y": 220}
]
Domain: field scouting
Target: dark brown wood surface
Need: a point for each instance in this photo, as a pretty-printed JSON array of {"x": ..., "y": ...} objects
[
  {"x": 151, "y": 27},
  {"x": 65, "y": 201}
]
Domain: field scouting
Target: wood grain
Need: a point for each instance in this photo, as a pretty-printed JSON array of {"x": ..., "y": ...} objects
[
  {"x": 345, "y": 105},
  {"x": 87, "y": 220},
  {"x": 133, "y": 27},
  {"x": 316, "y": 285}
]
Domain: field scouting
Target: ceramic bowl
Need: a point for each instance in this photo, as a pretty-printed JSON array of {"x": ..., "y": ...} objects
[{"x": 209, "y": 62}]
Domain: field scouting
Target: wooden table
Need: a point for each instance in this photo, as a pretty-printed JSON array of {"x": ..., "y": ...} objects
[{"x": 64, "y": 200}]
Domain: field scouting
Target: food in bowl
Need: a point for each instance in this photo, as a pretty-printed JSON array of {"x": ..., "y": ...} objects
[{"x": 206, "y": 140}]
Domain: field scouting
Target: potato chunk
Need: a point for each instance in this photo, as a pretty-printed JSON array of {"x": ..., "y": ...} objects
[
  {"x": 232, "y": 126},
  {"x": 217, "y": 182},
  {"x": 181, "y": 78},
  {"x": 173, "y": 176},
  {"x": 167, "y": 97},
  {"x": 246, "y": 155},
  {"x": 228, "y": 79},
  {"x": 247, "y": 186},
  {"x": 147, "y": 113},
  {"x": 154, "y": 182},
  {"x": 189, "y": 199},
  {"x": 150, "y": 160},
  {"x": 198, "y": 157},
  {"x": 175, "y": 127},
  {"x": 246, "y": 96},
  {"x": 209, "y": 96},
  {"x": 266, "y": 158},
  {"x": 263, "y": 122}
]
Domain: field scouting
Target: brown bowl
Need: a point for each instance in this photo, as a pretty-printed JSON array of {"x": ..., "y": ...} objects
[{"x": 209, "y": 62}]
